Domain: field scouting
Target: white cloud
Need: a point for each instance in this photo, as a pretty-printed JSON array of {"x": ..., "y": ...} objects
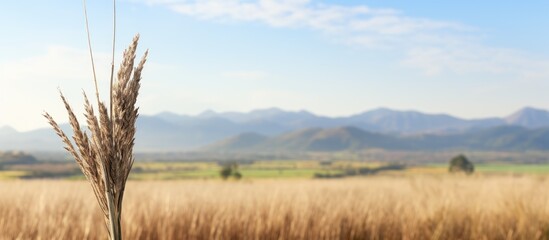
[
  {"x": 432, "y": 46},
  {"x": 58, "y": 64},
  {"x": 351, "y": 21}
]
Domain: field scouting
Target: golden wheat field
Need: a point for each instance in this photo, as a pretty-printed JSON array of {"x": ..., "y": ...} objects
[{"x": 502, "y": 207}]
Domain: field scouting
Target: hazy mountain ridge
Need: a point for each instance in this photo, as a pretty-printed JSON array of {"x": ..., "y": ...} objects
[
  {"x": 173, "y": 132},
  {"x": 16, "y": 158},
  {"x": 507, "y": 138}
]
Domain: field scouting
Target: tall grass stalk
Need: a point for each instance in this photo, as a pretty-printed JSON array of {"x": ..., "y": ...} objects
[{"x": 106, "y": 155}]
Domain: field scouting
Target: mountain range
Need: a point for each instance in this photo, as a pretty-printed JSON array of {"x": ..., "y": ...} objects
[
  {"x": 502, "y": 138},
  {"x": 173, "y": 132}
]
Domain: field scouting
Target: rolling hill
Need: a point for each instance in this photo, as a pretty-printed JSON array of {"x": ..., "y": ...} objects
[{"x": 507, "y": 138}]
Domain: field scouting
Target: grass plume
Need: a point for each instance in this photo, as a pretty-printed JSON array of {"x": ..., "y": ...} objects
[{"x": 106, "y": 155}]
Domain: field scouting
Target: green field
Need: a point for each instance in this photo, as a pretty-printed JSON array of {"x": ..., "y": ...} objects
[
  {"x": 214, "y": 174},
  {"x": 485, "y": 168},
  {"x": 210, "y": 170},
  {"x": 7, "y": 175},
  {"x": 273, "y": 169}
]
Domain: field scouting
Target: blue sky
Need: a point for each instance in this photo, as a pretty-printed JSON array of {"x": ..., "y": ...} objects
[{"x": 467, "y": 58}]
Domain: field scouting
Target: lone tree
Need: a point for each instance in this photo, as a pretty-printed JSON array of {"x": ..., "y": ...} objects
[
  {"x": 230, "y": 170},
  {"x": 226, "y": 172},
  {"x": 460, "y": 163}
]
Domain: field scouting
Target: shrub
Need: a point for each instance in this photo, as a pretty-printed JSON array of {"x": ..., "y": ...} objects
[
  {"x": 460, "y": 163},
  {"x": 230, "y": 170},
  {"x": 226, "y": 172}
]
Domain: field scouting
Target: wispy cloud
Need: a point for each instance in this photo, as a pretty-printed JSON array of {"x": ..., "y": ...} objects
[
  {"x": 379, "y": 25},
  {"x": 432, "y": 46},
  {"x": 477, "y": 59},
  {"x": 30, "y": 83},
  {"x": 58, "y": 63}
]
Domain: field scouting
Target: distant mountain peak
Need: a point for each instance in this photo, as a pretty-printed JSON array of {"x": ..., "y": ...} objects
[
  {"x": 7, "y": 129},
  {"x": 208, "y": 113},
  {"x": 379, "y": 110},
  {"x": 167, "y": 114},
  {"x": 529, "y": 110},
  {"x": 268, "y": 110},
  {"x": 529, "y": 117},
  {"x": 532, "y": 108},
  {"x": 383, "y": 109},
  {"x": 303, "y": 111}
]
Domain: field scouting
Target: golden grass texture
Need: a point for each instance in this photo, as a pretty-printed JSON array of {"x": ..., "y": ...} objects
[{"x": 363, "y": 208}]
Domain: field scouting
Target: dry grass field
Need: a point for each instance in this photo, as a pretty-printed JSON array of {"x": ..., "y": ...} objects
[{"x": 451, "y": 207}]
